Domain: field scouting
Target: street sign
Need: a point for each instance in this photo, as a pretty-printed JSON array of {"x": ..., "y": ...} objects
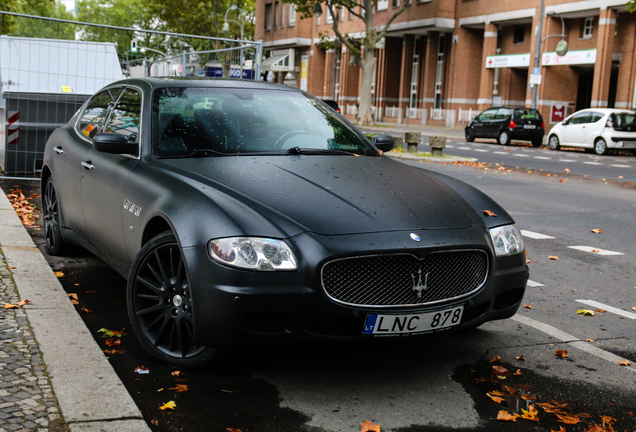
[
  {"x": 535, "y": 79},
  {"x": 248, "y": 64},
  {"x": 536, "y": 71}
]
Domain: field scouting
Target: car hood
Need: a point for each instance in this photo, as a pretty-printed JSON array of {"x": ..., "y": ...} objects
[{"x": 332, "y": 195}]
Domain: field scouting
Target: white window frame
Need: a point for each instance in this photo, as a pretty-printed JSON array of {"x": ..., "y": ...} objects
[
  {"x": 382, "y": 5},
  {"x": 329, "y": 19},
  {"x": 588, "y": 28},
  {"x": 292, "y": 15},
  {"x": 395, "y": 3}
]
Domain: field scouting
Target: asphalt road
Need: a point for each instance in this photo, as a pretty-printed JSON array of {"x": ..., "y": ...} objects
[{"x": 434, "y": 384}]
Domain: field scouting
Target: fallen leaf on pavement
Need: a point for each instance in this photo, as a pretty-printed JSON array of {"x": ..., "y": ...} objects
[
  {"x": 562, "y": 353},
  {"x": 555, "y": 258},
  {"x": 500, "y": 371},
  {"x": 176, "y": 373},
  {"x": 112, "y": 342},
  {"x": 59, "y": 274},
  {"x": 567, "y": 170},
  {"x": 10, "y": 306},
  {"x": 585, "y": 312},
  {"x": 634, "y": 308},
  {"x": 590, "y": 340},
  {"x": 511, "y": 390},
  {"x": 168, "y": 405},
  {"x": 526, "y": 396},
  {"x": 520, "y": 358},
  {"x": 504, "y": 415},
  {"x": 114, "y": 351},
  {"x": 531, "y": 414},
  {"x": 232, "y": 430},
  {"x": 497, "y": 399},
  {"x": 527, "y": 306},
  {"x": 625, "y": 363},
  {"x": 86, "y": 310},
  {"x": 600, "y": 310},
  {"x": 180, "y": 388},
  {"x": 11, "y": 268},
  {"x": 74, "y": 298},
  {"x": 111, "y": 333},
  {"x": 367, "y": 426},
  {"x": 495, "y": 359},
  {"x": 597, "y": 230},
  {"x": 562, "y": 429},
  {"x": 518, "y": 373},
  {"x": 567, "y": 418}
]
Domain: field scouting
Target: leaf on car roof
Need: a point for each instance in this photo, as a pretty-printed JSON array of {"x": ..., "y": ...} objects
[{"x": 489, "y": 213}]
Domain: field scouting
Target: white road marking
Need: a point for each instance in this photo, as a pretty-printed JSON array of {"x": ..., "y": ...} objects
[
  {"x": 534, "y": 235},
  {"x": 543, "y": 157},
  {"x": 621, "y": 166},
  {"x": 482, "y": 150},
  {"x": 532, "y": 283},
  {"x": 593, "y": 163},
  {"x": 609, "y": 308},
  {"x": 567, "y": 160},
  {"x": 500, "y": 152},
  {"x": 571, "y": 339},
  {"x": 520, "y": 155},
  {"x": 463, "y": 148},
  {"x": 450, "y": 146},
  {"x": 594, "y": 250}
]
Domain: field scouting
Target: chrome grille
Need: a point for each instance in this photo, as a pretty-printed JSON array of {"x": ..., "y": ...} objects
[{"x": 388, "y": 280}]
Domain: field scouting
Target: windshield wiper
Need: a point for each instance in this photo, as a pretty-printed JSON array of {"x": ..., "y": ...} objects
[
  {"x": 206, "y": 152},
  {"x": 313, "y": 151}
]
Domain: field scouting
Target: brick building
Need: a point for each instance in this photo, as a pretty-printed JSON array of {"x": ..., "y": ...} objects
[{"x": 450, "y": 58}]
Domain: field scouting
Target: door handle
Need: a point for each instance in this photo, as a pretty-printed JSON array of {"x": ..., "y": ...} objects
[
  {"x": 88, "y": 165},
  {"x": 58, "y": 150}
]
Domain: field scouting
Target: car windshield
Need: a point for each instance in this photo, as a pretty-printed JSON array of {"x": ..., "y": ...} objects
[
  {"x": 531, "y": 114},
  {"x": 624, "y": 121},
  {"x": 195, "y": 122}
]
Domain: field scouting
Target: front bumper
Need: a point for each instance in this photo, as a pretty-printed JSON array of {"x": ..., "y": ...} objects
[{"x": 232, "y": 306}]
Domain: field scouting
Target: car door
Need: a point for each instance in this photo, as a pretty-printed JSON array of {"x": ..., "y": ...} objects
[
  {"x": 483, "y": 122},
  {"x": 594, "y": 127},
  {"x": 104, "y": 176},
  {"x": 500, "y": 121},
  {"x": 573, "y": 130},
  {"x": 69, "y": 154}
]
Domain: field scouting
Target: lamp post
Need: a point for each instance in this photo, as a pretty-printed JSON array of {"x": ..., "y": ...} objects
[
  {"x": 561, "y": 49},
  {"x": 144, "y": 49},
  {"x": 241, "y": 23}
]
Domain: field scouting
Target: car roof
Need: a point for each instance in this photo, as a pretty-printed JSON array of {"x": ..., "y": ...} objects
[
  {"x": 605, "y": 110},
  {"x": 202, "y": 82}
]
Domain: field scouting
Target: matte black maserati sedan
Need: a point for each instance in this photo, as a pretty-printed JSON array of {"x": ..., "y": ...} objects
[
  {"x": 244, "y": 211},
  {"x": 506, "y": 124}
]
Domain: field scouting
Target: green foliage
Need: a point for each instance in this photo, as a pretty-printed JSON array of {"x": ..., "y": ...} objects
[
  {"x": 631, "y": 5},
  {"x": 17, "y": 26}
]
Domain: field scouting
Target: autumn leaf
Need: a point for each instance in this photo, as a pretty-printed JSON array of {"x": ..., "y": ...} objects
[
  {"x": 607, "y": 420},
  {"x": 11, "y": 268},
  {"x": 86, "y": 310},
  {"x": 555, "y": 258},
  {"x": 567, "y": 418},
  {"x": 111, "y": 333},
  {"x": 10, "y": 306},
  {"x": 367, "y": 426},
  {"x": 597, "y": 230},
  {"x": 625, "y": 363},
  {"x": 177, "y": 373},
  {"x": 527, "y": 306},
  {"x": 585, "y": 312},
  {"x": 497, "y": 399},
  {"x": 520, "y": 358},
  {"x": 114, "y": 351},
  {"x": 561, "y": 429},
  {"x": 113, "y": 342},
  {"x": 74, "y": 298},
  {"x": 634, "y": 308},
  {"x": 561, "y": 353},
  {"x": 168, "y": 405},
  {"x": 590, "y": 340},
  {"x": 511, "y": 390},
  {"x": 489, "y": 213},
  {"x": 59, "y": 274},
  {"x": 504, "y": 415},
  {"x": 518, "y": 373},
  {"x": 500, "y": 371},
  {"x": 526, "y": 396},
  {"x": 531, "y": 414},
  {"x": 232, "y": 430},
  {"x": 180, "y": 388},
  {"x": 23, "y": 302},
  {"x": 600, "y": 310},
  {"x": 495, "y": 359},
  {"x": 496, "y": 393}
]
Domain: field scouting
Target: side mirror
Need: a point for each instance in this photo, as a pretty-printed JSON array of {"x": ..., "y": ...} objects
[
  {"x": 114, "y": 143},
  {"x": 384, "y": 142},
  {"x": 565, "y": 122}
]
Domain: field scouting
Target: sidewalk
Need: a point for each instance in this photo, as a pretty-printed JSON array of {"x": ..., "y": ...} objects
[
  {"x": 53, "y": 375},
  {"x": 398, "y": 129}
]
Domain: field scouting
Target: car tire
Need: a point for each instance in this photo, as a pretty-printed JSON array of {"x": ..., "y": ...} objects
[
  {"x": 470, "y": 135},
  {"x": 537, "y": 143},
  {"x": 600, "y": 147},
  {"x": 554, "y": 143},
  {"x": 51, "y": 214},
  {"x": 160, "y": 305},
  {"x": 504, "y": 138}
]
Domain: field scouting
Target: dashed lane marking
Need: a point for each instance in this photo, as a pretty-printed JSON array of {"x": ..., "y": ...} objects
[
  {"x": 482, "y": 150},
  {"x": 532, "y": 283},
  {"x": 592, "y": 163},
  {"x": 520, "y": 155},
  {"x": 500, "y": 152},
  {"x": 571, "y": 340},
  {"x": 543, "y": 157},
  {"x": 567, "y": 160},
  {"x": 594, "y": 250},
  {"x": 463, "y": 148},
  {"x": 621, "y": 166},
  {"x": 609, "y": 308},
  {"x": 534, "y": 235}
]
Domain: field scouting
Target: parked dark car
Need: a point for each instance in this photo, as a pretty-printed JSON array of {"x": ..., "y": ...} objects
[
  {"x": 507, "y": 123},
  {"x": 269, "y": 217},
  {"x": 333, "y": 105}
]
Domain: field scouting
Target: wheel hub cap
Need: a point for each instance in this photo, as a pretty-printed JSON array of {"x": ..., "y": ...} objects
[{"x": 177, "y": 300}]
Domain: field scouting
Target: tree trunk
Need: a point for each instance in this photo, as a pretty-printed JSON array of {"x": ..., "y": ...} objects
[{"x": 367, "y": 63}]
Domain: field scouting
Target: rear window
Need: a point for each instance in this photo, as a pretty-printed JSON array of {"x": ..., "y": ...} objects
[
  {"x": 624, "y": 121},
  {"x": 523, "y": 113}
]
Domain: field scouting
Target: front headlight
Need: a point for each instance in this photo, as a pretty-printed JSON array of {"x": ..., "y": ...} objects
[
  {"x": 253, "y": 253},
  {"x": 507, "y": 240}
]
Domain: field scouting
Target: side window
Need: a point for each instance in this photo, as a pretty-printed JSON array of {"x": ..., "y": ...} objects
[
  {"x": 594, "y": 117},
  {"x": 124, "y": 118},
  {"x": 502, "y": 113},
  {"x": 94, "y": 115},
  {"x": 580, "y": 118},
  {"x": 488, "y": 114}
]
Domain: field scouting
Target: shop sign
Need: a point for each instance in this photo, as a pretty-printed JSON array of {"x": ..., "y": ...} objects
[
  {"x": 511, "y": 60},
  {"x": 574, "y": 57},
  {"x": 304, "y": 63},
  {"x": 557, "y": 113}
]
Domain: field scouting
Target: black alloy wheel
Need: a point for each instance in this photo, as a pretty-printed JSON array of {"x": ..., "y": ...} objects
[
  {"x": 470, "y": 135},
  {"x": 504, "y": 138},
  {"x": 600, "y": 147},
  {"x": 51, "y": 215},
  {"x": 160, "y": 304},
  {"x": 554, "y": 143}
]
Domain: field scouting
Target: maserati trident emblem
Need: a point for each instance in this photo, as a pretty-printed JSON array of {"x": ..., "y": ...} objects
[{"x": 418, "y": 287}]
